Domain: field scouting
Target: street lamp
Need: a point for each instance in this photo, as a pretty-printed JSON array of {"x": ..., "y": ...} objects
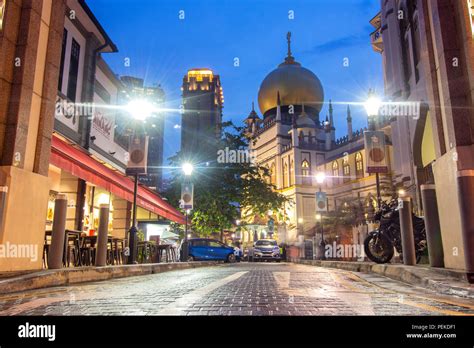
[
  {"x": 320, "y": 177},
  {"x": 372, "y": 107},
  {"x": 187, "y": 169},
  {"x": 140, "y": 110}
]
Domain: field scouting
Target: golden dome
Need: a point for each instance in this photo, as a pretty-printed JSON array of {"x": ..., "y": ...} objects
[{"x": 297, "y": 86}]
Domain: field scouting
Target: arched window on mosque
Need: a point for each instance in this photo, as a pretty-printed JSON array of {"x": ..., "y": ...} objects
[
  {"x": 359, "y": 165},
  {"x": 273, "y": 174},
  {"x": 335, "y": 172},
  {"x": 306, "y": 172},
  {"x": 346, "y": 169},
  {"x": 285, "y": 175},
  {"x": 292, "y": 170},
  {"x": 301, "y": 137}
]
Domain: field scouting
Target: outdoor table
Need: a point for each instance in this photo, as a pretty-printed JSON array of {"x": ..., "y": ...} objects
[
  {"x": 67, "y": 233},
  {"x": 93, "y": 241},
  {"x": 168, "y": 249},
  {"x": 148, "y": 250}
]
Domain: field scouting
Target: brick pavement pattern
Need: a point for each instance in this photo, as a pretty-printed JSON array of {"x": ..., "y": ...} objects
[{"x": 239, "y": 289}]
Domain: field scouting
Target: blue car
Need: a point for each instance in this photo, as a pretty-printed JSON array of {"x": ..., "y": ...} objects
[{"x": 209, "y": 249}]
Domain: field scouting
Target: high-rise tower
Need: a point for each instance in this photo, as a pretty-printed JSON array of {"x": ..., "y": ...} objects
[{"x": 203, "y": 101}]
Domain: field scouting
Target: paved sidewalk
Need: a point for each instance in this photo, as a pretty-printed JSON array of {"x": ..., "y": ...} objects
[
  {"x": 67, "y": 276},
  {"x": 441, "y": 280}
]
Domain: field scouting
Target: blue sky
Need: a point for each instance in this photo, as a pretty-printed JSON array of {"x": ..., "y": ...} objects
[{"x": 162, "y": 47}]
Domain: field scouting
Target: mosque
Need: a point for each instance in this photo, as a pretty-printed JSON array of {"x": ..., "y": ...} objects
[{"x": 297, "y": 145}]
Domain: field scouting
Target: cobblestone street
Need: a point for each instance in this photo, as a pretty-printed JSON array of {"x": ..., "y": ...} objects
[{"x": 239, "y": 289}]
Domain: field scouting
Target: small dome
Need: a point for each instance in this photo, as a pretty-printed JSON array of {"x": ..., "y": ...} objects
[{"x": 304, "y": 121}]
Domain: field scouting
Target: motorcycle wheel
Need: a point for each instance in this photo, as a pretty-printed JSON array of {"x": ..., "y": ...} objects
[{"x": 378, "y": 248}]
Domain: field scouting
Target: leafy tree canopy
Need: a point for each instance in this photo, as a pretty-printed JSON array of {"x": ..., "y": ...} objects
[{"x": 221, "y": 188}]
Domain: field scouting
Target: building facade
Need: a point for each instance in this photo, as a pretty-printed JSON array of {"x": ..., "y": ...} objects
[
  {"x": 428, "y": 50},
  {"x": 29, "y": 71},
  {"x": 295, "y": 143},
  {"x": 61, "y": 131},
  {"x": 203, "y": 101}
]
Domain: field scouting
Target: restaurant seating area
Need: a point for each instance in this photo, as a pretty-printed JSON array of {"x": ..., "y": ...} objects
[{"x": 80, "y": 250}]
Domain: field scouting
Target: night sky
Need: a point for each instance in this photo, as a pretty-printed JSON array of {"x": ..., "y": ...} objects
[{"x": 162, "y": 47}]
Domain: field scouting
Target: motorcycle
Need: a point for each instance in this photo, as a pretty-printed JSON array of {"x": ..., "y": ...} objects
[{"x": 379, "y": 244}]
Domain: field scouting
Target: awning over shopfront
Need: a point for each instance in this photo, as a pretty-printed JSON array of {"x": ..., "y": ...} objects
[{"x": 80, "y": 164}]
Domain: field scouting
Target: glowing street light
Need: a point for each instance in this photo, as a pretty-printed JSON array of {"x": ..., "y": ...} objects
[
  {"x": 320, "y": 177},
  {"x": 372, "y": 105},
  {"x": 318, "y": 217},
  {"x": 140, "y": 109},
  {"x": 187, "y": 169}
]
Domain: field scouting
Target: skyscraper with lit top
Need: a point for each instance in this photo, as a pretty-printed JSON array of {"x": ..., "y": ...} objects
[{"x": 203, "y": 101}]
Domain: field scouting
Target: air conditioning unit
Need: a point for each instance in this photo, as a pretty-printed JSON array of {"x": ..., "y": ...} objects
[{"x": 137, "y": 155}]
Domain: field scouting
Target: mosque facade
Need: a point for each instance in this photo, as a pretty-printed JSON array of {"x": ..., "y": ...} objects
[{"x": 297, "y": 144}]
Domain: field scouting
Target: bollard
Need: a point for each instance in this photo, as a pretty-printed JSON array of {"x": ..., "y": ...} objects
[
  {"x": 406, "y": 230},
  {"x": 433, "y": 229},
  {"x": 3, "y": 202},
  {"x": 102, "y": 236},
  {"x": 466, "y": 200},
  {"x": 56, "y": 250}
]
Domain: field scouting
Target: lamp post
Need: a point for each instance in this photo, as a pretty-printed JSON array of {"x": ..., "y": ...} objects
[
  {"x": 372, "y": 106},
  {"x": 187, "y": 171},
  {"x": 320, "y": 178},
  {"x": 140, "y": 110}
]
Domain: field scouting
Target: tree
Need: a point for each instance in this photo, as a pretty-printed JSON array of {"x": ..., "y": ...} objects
[{"x": 222, "y": 186}]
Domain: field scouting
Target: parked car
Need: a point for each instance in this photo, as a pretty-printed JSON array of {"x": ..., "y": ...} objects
[
  {"x": 265, "y": 249},
  {"x": 201, "y": 249}
]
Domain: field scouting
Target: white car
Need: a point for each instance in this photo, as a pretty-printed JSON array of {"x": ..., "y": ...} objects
[{"x": 265, "y": 249}]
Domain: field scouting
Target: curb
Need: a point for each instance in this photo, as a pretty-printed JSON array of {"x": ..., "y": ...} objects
[
  {"x": 443, "y": 281},
  {"x": 72, "y": 276}
]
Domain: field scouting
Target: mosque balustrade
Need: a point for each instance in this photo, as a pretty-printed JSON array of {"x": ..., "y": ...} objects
[
  {"x": 355, "y": 135},
  {"x": 305, "y": 145},
  {"x": 265, "y": 126},
  {"x": 287, "y": 147}
]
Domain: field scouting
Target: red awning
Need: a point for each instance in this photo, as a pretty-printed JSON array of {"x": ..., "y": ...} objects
[{"x": 80, "y": 164}]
